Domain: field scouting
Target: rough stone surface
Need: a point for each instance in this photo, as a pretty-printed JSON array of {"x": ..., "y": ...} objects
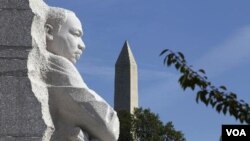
[
  {"x": 14, "y": 4},
  {"x": 13, "y": 67},
  {"x": 8, "y": 138},
  {"x": 20, "y": 108},
  {"x": 21, "y": 112},
  {"x": 12, "y": 52},
  {"x": 15, "y": 27},
  {"x": 126, "y": 81}
]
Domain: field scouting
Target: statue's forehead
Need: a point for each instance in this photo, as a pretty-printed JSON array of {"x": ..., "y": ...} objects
[{"x": 73, "y": 21}]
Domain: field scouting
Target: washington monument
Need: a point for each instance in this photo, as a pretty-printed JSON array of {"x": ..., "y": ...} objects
[{"x": 126, "y": 81}]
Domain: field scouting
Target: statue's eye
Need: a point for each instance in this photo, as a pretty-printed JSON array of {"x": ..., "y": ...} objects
[{"x": 76, "y": 33}]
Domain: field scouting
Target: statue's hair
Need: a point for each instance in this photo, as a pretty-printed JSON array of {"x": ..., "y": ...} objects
[{"x": 56, "y": 17}]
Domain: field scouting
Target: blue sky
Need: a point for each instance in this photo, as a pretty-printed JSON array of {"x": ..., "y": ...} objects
[{"x": 213, "y": 35}]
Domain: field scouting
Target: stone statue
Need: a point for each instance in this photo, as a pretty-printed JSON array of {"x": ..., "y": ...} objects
[{"x": 77, "y": 112}]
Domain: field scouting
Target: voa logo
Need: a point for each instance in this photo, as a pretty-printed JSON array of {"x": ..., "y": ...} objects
[{"x": 236, "y": 132}]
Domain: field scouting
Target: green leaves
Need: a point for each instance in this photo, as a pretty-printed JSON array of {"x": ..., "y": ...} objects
[
  {"x": 181, "y": 56},
  {"x": 125, "y": 125},
  {"x": 146, "y": 126},
  {"x": 218, "y": 97},
  {"x": 164, "y": 51},
  {"x": 223, "y": 88},
  {"x": 202, "y": 71}
]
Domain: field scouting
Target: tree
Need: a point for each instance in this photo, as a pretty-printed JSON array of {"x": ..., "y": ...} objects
[
  {"x": 125, "y": 125},
  {"x": 147, "y": 126},
  {"x": 144, "y": 125},
  {"x": 218, "y": 97},
  {"x": 172, "y": 134}
]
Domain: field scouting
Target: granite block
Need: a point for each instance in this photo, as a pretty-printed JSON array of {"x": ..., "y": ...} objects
[
  {"x": 9, "y": 138},
  {"x": 20, "y": 111},
  {"x": 15, "y": 27},
  {"x": 17, "y": 4}
]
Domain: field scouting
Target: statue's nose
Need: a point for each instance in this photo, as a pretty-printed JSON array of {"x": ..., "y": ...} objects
[{"x": 81, "y": 45}]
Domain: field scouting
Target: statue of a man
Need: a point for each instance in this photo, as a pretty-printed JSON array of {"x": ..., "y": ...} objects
[{"x": 78, "y": 113}]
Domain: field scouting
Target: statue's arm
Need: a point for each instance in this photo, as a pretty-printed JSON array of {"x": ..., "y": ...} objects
[{"x": 99, "y": 118}]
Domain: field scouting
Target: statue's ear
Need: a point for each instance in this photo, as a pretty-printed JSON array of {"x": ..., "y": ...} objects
[{"x": 49, "y": 30}]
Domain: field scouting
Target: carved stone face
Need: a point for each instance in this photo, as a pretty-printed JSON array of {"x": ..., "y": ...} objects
[{"x": 67, "y": 42}]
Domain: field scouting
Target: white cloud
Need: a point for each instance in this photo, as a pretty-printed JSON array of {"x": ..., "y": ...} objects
[{"x": 233, "y": 52}]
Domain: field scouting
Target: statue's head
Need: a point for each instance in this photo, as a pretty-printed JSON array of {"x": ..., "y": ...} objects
[{"x": 63, "y": 34}]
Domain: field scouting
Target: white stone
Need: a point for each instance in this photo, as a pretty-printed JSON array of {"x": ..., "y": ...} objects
[{"x": 72, "y": 103}]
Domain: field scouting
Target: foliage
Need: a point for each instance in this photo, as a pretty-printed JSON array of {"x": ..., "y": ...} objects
[
  {"x": 125, "y": 125},
  {"x": 144, "y": 125},
  {"x": 147, "y": 126},
  {"x": 172, "y": 134},
  {"x": 218, "y": 97}
]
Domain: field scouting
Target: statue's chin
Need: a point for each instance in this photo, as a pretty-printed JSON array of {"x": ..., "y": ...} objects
[
  {"x": 73, "y": 60},
  {"x": 77, "y": 56}
]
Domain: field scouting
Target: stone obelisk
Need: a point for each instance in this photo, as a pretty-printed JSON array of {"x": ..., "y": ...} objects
[{"x": 126, "y": 81}]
